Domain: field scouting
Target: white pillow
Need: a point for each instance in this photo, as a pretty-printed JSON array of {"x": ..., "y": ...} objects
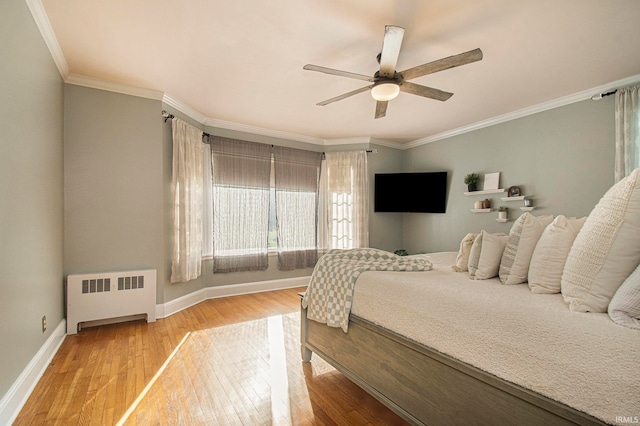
[
  {"x": 550, "y": 254},
  {"x": 474, "y": 254},
  {"x": 624, "y": 308},
  {"x": 523, "y": 238},
  {"x": 462, "y": 260},
  {"x": 606, "y": 250},
  {"x": 492, "y": 248}
]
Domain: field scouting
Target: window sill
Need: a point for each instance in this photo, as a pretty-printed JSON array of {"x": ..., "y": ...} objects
[{"x": 270, "y": 254}]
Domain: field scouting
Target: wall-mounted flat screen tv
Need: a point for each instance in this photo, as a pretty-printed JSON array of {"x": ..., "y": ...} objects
[{"x": 423, "y": 192}]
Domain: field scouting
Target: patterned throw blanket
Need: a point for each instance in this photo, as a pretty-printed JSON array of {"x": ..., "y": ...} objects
[{"x": 330, "y": 293}]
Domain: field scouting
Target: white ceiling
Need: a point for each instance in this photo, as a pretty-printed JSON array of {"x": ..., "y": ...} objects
[{"x": 241, "y": 61}]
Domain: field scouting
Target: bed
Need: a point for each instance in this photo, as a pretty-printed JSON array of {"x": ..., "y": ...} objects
[{"x": 439, "y": 348}]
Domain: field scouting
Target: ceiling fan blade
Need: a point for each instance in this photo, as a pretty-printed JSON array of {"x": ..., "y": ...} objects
[
  {"x": 443, "y": 64},
  {"x": 381, "y": 108},
  {"x": 390, "y": 50},
  {"x": 345, "y": 95},
  {"x": 427, "y": 92},
  {"x": 339, "y": 73}
]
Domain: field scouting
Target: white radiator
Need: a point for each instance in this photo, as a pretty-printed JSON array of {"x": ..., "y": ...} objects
[{"x": 110, "y": 295}]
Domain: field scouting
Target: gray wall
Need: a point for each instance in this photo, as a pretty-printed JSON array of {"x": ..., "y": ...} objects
[
  {"x": 562, "y": 158},
  {"x": 113, "y": 183},
  {"x": 31, "y": 210}
]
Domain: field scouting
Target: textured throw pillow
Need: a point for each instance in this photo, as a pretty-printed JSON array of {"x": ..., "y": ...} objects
[
  {"x": 606, "y": 249},
  {"x": 462, "y": 260},
  {"x": 474, "y": 254},
  {"x": 477, "y": 263},
  {"x": 489, "y": 262},
  {"x": 523, "y": 237},
  {"x": 624, "y": 308},
  {"x": 550, "y": 254}
]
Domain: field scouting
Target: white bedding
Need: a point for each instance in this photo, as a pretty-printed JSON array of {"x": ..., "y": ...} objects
[{"x": 583, "y": 360}]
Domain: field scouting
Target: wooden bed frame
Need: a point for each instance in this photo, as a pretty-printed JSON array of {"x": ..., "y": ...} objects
[{"x": 424, "y": 386}]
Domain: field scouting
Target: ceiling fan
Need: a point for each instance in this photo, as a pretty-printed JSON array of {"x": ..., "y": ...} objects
[{"x": 388, "y": 83}]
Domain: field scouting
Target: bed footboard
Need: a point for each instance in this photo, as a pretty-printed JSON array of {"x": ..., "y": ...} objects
[{"x": 425, "y": 386}]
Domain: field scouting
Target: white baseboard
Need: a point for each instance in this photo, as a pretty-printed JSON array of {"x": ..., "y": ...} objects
[
  {"x": 13, "y": 401},
  {"x": 181, "y": 303}
]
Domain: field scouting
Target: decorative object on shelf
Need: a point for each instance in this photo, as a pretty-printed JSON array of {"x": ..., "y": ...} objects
[
  {"x": 478, "y": 205},
  {"x": 514, "y": 191},
  {"x": 528, "y": 202},
  {"x": 401, "y": 252},
  {"x": 471, "y": 180},
  {"x": 502, "y": 213},
  {"x": 491, "y": 181},
  {"x": 486, "y": 204}
]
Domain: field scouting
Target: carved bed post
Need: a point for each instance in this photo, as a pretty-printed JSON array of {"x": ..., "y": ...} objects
[{"x": 304, "y": 351}]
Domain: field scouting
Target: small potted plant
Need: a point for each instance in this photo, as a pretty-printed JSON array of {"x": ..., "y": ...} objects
[
  {"x": 502, "y": 213},
  {"x": 471, "y": 180}
]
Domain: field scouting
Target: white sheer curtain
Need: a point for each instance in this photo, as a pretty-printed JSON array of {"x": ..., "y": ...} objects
[
  {"x": 346, "y": 200},
  {"x": 241, "y": 184},
  {"x": 627, "y": 131},
  {"x": 187, "y": 191},
  {"x": 207, "y": 199},
  {"x": 297, "y": 173}
]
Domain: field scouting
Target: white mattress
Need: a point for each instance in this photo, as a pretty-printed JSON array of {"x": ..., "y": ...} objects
[{"x": 583, "y": 360}]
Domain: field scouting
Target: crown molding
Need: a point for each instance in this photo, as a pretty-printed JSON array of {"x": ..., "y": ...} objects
[
  {"x": 184, "y": 108},
  {"x": 96, "y": 83},
  {"x": 348, "y": 141},
  {"x": 389, "y": 144},
  {"x": 545, "y": 106},
  {"x": 44, "y": 25},
  {"x": 262, "y": 131},
  {"x": 363, "y": 140}
]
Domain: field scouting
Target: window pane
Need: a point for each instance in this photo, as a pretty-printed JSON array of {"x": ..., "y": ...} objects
[
  {"x": 341, "y": 220},
  {"x": 239, "y": 222},
  {"x": 298, "y": 210}
]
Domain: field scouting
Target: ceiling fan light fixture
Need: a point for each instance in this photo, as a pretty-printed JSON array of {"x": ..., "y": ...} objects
[{"x": 385, "y": 91}]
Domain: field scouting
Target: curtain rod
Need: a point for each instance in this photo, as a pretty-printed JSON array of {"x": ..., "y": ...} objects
[
  {"x": 602, "y": 95},
  {"x": 368, "y": 151},
  {"x": 168, "y": 116}
]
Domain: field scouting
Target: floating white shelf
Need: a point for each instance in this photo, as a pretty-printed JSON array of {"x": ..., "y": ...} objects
[
  {"x": 502, "y": 220},
  {"x": 520, "y": 198},
  {"x": 488, "y": 191},
  {"x": 480, "y": 210},
  {"x": 527, "y": 209}
]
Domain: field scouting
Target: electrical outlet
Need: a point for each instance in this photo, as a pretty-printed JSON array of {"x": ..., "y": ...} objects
[{"x": 44, "y": 323}]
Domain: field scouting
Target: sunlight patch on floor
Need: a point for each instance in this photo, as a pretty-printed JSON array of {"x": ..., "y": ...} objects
[
  {"x": 140, "y": 397},
  {"x": 280, "y": 400}
]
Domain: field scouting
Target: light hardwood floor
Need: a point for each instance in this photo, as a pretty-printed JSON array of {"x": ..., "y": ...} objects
[{"x": 234, "y": 360}]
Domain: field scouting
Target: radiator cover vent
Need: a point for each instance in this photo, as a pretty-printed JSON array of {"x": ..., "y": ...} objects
[
  {"x": 131, "y": 283},
  {"x": 93, "y": 297},
  {"x": 96, "y": 285}
]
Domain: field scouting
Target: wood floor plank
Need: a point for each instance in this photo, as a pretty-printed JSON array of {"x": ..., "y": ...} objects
[{"x": 239, "y": 365}]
